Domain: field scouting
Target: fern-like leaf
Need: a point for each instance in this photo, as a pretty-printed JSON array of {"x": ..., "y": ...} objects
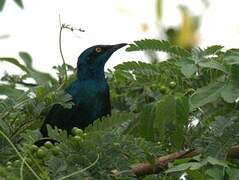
[
  {"x": 157, "y": 45},
  {"x": 211, "y": 50},
  {"x": 109, "y": 123}
]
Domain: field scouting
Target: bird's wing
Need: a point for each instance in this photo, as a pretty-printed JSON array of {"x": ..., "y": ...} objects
[{"x": 58, "y": 116}]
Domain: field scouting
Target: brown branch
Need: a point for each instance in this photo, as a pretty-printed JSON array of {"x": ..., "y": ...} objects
[
  {"x": 161, "y": 162},
  {"x": 233, "y": 153}
]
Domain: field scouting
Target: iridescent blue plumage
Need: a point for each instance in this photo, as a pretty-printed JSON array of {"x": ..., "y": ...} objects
[{"x": 90, "y": 92}]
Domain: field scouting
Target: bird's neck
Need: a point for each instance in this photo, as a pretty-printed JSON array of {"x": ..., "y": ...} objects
[{"x": 98, "y": 75}]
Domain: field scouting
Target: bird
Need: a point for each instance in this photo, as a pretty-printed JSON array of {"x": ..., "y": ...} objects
[{"x": 90, "y": 92}]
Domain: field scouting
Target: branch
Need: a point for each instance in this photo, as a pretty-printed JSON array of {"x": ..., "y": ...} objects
[
  {"x": 65, "y": 26},
  {"x": 162, "y": 162},
  {"x": 233, "y": 153},
  {"x": 60, "y": 47}
]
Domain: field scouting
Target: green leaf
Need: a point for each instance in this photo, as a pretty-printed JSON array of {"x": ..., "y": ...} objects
[
  {"x": 4, "y": 127},
  {"x": 212, "y": 64},
  {"x": 26, "y": 58},
  {"x": 181, "y": 167},
  {"x": 234, "y": 73},
  {"x": 106, "y": 123},
  {"x": 206, "y": 94},
  {"x": 197, "y": 175},
  {"x": 233, "y": 173},
  {"x": 198, "y": 165},
  {"x": 39, "y": 77},
  {"x": 10, "y": 91},
  {"x": 165, "y": 113},
  {"x": 64, "y": 99},
  {"x": 16, "y": 100},
  {"x": 188, "y": 165},
  {"x": 215, "y": 173},
  {"x": 220, "y": 124},
  {"x": 19, "y": 3},
  {"x": 232, "y": 59},
  {"x": 15, "y": 62},
  {"x": 148, "y": 177},
  {"x": 157, "y": 45},
  {"x": 211, "y": 50},
  {"x": 230, "y": 92},
  {"x": 214, "y": 161},
  {"x": 232, "y": 51},
  {"x": 187, "y": 67},
  {"x": 181, "y": 109},
  {"x": 2, "y": 2},
  {"x": 169, "y": 114},
  {"x": 150, "y": 158},
  {"x": 146, "y": 123}
]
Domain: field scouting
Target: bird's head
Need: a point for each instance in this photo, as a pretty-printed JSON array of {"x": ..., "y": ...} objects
[{"x": 92, "y": 61}]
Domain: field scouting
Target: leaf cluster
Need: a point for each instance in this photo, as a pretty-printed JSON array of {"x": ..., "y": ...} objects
[{"x": 187, "y": 101}]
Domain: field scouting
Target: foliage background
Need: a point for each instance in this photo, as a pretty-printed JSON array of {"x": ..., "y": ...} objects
[{"x": 187, "y": 101}]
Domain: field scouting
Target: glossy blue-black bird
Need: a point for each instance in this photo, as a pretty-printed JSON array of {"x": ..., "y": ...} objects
[{"x": 90, "y": 92}]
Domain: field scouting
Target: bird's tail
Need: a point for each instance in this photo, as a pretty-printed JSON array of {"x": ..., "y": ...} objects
[
  {"x": 43, "y": 140},
  {"x": 43, "y": 130}
]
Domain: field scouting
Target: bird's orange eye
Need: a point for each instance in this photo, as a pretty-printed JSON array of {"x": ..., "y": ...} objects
[{"x": 98, "y": 49}]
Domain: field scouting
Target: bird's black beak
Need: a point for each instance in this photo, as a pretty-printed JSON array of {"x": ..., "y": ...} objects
[
  {"x": 117, "y": 46},
  {"x": 110, "y": 49}
]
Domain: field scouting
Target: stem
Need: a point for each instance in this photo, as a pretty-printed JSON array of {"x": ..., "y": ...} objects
[
  {"x": 21, "y": 169},
  {"x": 82, "y": 170},
  {"x": 60, "y": 47},
  {"x": 27, "y": 84},
  {"x": 36, "y": 163},
  {"x": 19, "y": 155}
]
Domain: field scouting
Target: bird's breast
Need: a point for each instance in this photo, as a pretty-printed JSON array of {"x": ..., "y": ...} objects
[{"x": 92, "y": 101}]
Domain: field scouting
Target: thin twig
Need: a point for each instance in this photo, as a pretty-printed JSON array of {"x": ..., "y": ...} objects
[
  {"x": 82, "y": 170},
  {"x": 60, "y": 47},
  {"x": 19, "y": 155},
  {"x": 21, "y": 169},
  {"x": 69, "y": 27}
]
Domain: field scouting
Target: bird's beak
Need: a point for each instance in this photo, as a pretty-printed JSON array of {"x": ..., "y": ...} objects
[
  {"x": 117, "y": 46},
  {"x": 111, "y": 49}
]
